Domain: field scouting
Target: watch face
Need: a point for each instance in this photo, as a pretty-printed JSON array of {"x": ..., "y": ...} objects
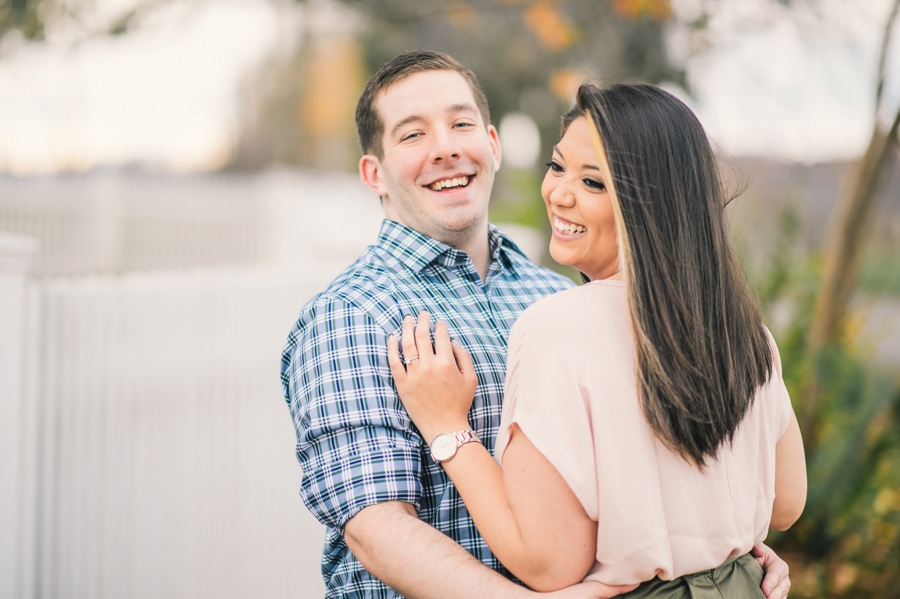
[{"x": 443, "y": 447}]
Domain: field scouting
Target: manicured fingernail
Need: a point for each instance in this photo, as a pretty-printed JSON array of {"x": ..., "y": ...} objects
[
  {"x": 407, "y": 317},
  {"x": 391, "y": 337}
]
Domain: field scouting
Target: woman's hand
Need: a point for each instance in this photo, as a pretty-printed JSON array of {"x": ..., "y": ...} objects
[
  {"x": 590, "y": 589},
  {"x": 436, "y": 384}
]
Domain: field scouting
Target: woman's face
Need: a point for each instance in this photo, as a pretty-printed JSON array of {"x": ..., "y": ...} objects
[{"x": 579, "y": 207}]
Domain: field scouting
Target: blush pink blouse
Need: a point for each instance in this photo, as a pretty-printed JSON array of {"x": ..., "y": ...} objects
[{"x": 571, "y": 388}]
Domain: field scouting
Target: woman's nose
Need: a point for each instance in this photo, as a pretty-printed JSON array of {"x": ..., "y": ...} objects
[{"x": 562, "y": 195}]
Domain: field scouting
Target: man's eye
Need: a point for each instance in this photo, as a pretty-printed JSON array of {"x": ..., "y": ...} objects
[
  {"x": 594, "y": 184},
  {"x": 409, "y": 136},
  {"x": 464, "y": 125},
  {"x": 555, "y": 166}
]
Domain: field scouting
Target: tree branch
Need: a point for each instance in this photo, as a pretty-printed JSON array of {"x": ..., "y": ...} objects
[{"x": 882, "y": 56}]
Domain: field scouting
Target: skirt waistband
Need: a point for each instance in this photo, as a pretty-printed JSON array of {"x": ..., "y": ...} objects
[{"x": 736, "y": 578}]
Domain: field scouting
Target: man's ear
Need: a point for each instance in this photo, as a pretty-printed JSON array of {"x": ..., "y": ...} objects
[
  {"x": 370, "y": 174},
  {"x": 494, "y": 138}
]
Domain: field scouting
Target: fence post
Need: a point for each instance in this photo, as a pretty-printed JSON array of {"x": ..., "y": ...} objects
[{"x": 16, "y": 253}]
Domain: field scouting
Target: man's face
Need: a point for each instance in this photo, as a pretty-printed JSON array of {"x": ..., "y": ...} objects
[{"x": 439, "y": 158}]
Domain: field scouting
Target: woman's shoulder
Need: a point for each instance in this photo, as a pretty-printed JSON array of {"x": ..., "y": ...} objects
[
  {"x": 574, "y": 311},
  {"x": 572, "y": 302}
]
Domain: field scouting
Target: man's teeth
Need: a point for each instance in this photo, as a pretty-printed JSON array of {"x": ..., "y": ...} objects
[
  {"x": 457, "y": 182},
  {"x": 568, "y": 228}
]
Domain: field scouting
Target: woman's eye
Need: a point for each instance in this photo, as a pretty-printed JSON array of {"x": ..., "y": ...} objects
[
  {"x": 555, "y": 166},
  {"x": 594, "y": 184}
]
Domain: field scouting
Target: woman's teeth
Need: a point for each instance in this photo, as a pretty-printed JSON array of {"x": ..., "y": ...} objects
[
  {"x": 457, "y": 182},
  {"x": 568, "y": 228}
]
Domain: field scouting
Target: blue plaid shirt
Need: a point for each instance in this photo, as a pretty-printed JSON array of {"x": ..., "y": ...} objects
[{"x": 355, "y": 442}]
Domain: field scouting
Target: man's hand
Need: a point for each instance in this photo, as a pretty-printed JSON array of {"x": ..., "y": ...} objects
[
  {"x": 776, "y": 583},
  {"x": 590, "y": 590}
]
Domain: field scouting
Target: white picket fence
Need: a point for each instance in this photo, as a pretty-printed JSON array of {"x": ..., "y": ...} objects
[
  {"x": 118, "y": 222},
  {"x": 145, "y": 447},
  {"x": 146, "y": 451}
]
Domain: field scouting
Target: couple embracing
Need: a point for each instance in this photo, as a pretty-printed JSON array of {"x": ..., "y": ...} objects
[{"x": 467, "y": 420}]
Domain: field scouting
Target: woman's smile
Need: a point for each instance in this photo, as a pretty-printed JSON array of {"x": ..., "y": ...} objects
[
  {"x": 567, "y": 229},
  {"x": 579, "y": 206}
]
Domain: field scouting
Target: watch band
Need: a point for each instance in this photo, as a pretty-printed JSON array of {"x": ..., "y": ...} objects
[
  {"x": 458, "y": 439},
  {"x": 466, "y": 436}
]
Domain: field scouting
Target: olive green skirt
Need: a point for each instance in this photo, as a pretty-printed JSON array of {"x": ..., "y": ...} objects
[{"x": 737, "y": 578}]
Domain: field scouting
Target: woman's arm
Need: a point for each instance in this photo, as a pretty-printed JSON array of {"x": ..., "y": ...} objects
[
  {"x": 529, "y": 517},
  {"x": 526, "y": 512},
  {"x": 790, "y": 478}
]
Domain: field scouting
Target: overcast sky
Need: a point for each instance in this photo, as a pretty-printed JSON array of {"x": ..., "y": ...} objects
[{"x": 798, "y": 88}]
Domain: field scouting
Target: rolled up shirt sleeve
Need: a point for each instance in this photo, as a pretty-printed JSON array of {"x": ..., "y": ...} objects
[{"x": 355, "y": 442}]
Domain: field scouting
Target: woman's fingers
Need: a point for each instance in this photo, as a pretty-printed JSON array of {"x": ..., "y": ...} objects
[
  {"x": 408, "y": 339},
  {"x": 463, "y": 360},
  {"x": 417, "y": 346},
  {"x": 394, "y": 360},
  {"x": 442, "y": 339},
  {"x": 423, "y": 337}
]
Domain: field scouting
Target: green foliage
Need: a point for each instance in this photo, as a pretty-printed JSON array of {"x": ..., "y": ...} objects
[
  {"x": 773, "y": 281},
  {"x": 881, "y": 271},
  {"x": 25, "y": 16},
  {"x": 847, "y": 543},
  {"x": 517, "y": 199}
]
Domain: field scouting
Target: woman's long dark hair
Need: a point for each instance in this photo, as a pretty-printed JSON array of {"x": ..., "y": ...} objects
[{"x": 702, "y": 350}]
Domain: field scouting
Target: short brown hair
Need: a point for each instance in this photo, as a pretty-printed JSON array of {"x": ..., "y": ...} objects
[{"x": 370, "y": 128}]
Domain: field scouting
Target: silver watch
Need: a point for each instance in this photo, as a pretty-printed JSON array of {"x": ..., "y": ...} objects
[{"x": 444, "y": 446}]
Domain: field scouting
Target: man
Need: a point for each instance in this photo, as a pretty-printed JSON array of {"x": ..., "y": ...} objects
[{"x": 395, "y": 522}]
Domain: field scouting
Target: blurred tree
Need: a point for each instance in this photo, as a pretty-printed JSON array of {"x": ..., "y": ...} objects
[
  {"x": 299, "y": 107},
  {"x": 528, "y": 54},
  {"x": 25, "y": 16},
  {"x": 30, "y": 20},
  {"x": 847, "y": 544},
  {"x": 852, "y": 220}
]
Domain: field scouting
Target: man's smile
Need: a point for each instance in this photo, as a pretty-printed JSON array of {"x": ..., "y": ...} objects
[{"x": 451, "y": 183}]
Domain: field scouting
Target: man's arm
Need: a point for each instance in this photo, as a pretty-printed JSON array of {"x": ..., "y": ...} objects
[
  {"x": 422, "y": 563},
  {"x": 419, "y": 561}
]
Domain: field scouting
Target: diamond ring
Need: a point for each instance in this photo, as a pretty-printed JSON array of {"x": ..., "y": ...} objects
[{"x": 409, "y": 360}]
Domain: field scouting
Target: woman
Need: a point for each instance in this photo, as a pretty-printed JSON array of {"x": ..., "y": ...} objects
[{"x": 647, "y": 436}]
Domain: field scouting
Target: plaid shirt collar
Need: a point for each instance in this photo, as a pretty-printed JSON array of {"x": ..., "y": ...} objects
[{"x": 417, "y": 250}]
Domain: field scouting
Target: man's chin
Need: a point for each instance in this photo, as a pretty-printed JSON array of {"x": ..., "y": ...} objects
[{"x": 460, "y": 231}]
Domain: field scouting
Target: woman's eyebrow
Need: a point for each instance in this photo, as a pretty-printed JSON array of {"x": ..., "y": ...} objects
[{"x": 587, "y": 166}]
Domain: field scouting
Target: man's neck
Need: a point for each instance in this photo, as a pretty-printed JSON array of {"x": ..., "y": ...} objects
[{"x": 479, "y": 252}]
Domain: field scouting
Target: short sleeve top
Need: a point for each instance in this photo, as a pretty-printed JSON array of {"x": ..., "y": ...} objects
[{"x": 571, "y": 387}]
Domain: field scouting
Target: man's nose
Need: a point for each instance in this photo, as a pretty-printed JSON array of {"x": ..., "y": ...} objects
[{"x": 444, "y": 147}]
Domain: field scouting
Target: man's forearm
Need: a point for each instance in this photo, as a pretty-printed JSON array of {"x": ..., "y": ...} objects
[{"x": 419, "y": 561}]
